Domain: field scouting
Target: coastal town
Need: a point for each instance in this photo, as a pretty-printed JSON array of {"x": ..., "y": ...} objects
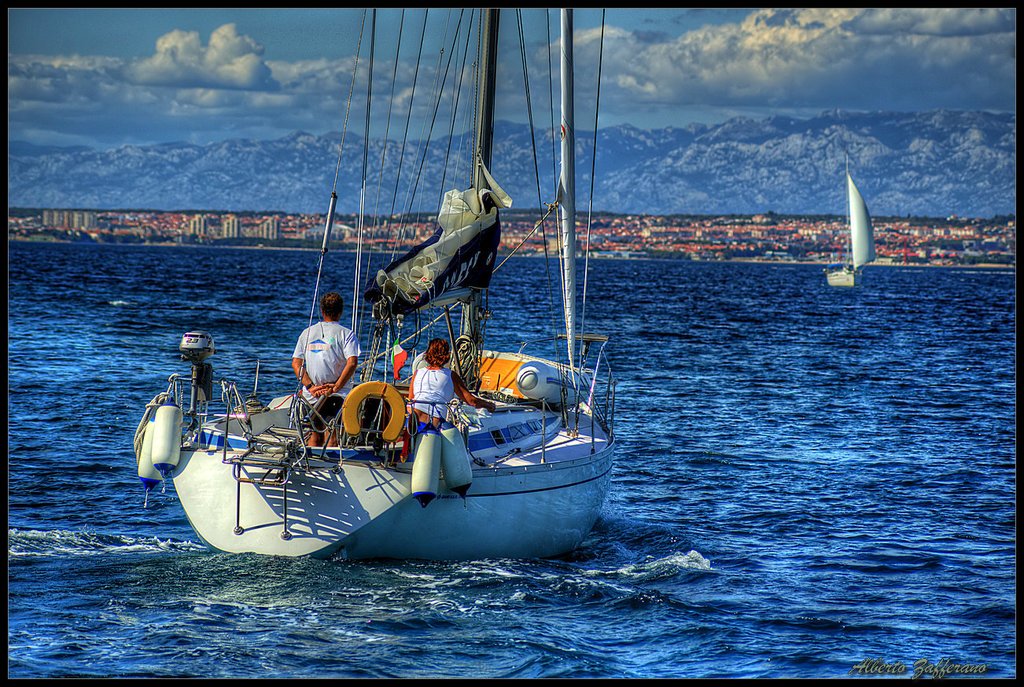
[{"x": 764, "y": 237}]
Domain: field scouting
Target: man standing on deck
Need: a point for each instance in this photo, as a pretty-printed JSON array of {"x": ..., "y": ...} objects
[{"x": 325, "y": 360}]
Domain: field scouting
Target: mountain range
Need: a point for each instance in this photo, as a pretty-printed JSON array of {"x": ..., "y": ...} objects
[{"x": 931, "y": 164}]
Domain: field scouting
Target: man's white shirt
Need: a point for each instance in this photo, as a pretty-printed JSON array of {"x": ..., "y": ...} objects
[{"x": 326, "y": 347}]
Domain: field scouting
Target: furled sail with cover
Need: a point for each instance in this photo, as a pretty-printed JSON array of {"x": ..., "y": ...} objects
[
  {"x": 862, "y": 234},
  {"x": 460, "y": 254}
]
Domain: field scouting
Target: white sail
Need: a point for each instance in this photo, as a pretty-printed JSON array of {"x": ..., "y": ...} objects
[{"x": 862, "y": 235}]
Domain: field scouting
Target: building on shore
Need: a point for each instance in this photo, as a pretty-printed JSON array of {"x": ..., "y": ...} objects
[
  {"x": 230, "y": 227},
  {"x": 269, "y": 229},
  {"x": 69, "y": 219},
  {"x": 197, "y": 225}
]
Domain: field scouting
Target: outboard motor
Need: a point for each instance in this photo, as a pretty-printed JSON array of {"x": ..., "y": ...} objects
[{"x": 195, "y": 348}]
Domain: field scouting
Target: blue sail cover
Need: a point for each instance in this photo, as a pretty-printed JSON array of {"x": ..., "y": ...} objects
[
  {"x": 460, "y": 254},
  {"x": 470, "y": 266}
]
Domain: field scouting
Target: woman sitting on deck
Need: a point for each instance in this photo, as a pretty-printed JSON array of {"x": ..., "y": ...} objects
[{"x": 434, "y": 386}]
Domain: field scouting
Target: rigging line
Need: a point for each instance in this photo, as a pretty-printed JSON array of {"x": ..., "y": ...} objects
[
  {"x": 405, "y": 136},
  {"x": 334, "y": 190},
  {"x": 468, "y": 143},
  {"x": 437, "y": 104},
  {"x": 468, "y": 123},
  {"x": 416, "y": 331},
  {"x": 439, "y": 81},
  {"x": 362, "y": 190},
  {"x": 536, "y": 168},
  {"x": 536, "y": 226},
  {"x": 387, "y": 124},
  {"x": 348, "y": 104},
  {"x": 403, "y": 228},
  {"x": 590, "y": 207},
  {"x": 593, "y": 166},
  {"x": 383, "y": 154},
  {"x": 454, "y": 117},
  {"x": 456, "y": 93},
  {"x": 337, "y": 171},
  {"x": 529, "y": 105},
  {"x": 420, "y": 328}
]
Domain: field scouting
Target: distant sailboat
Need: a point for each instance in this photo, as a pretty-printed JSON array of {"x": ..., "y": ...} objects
[{"x": 862, "y": 241}]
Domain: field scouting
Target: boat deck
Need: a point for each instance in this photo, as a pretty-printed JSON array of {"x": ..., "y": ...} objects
[
  {"x": 511, "y": 437},
  {"x": 563, "y": 447}
]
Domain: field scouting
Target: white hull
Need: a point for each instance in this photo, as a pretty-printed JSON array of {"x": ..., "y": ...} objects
[
  {"x": 519, "y": 507},
  {"x": 843, "y": 277},
  {"x": 544, "y": 511}
]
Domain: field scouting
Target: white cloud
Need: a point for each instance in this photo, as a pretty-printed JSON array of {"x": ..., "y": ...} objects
[
  {"x": 936, "y": 22},
  {"x": 822, "y": 58},
  {"x": 786, "y": 61},
  {"x": 181, "y": 60},
  {"x": 183, "y": 91},
  {"x": 50, "y": 79}
]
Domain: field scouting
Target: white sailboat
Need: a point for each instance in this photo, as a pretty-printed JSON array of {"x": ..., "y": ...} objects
[
  {"x": 527, "y": 480},
  {"x": 862, "y": 240}
]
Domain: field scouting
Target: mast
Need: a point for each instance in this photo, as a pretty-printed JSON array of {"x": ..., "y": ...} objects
[
  {"x": 849, "y": 212},
  {"x": 567, "y": 187},
  {"x": 482, "y": 153},
  {"x": 485, "y": 93}
]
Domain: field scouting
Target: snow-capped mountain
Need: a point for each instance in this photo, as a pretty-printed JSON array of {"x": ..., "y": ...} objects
[{"x": 928, "y": 164}]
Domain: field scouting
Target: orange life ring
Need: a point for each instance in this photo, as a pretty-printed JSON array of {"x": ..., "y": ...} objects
[{"x": 381, "y": 390}]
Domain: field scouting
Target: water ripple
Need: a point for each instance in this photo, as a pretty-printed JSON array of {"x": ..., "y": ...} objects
[{"x": 806, "y": 477}]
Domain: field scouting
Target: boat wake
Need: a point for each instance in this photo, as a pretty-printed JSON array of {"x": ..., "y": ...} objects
[
  {"x": 38, "y": 543},
  {"x": 636, "y": 584},
  {"x": 656, "y": 568}
]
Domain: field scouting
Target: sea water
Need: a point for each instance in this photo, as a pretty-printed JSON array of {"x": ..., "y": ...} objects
[{"x": 810, "y": 482}]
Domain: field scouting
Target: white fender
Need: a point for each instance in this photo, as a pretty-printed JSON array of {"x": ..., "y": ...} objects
[
  {"x": 148, "y": 475},
  {"x": 458, "y": 472},
  {"x": 166, "y": 430},
  {"x": 426, "y": 468},
  {"x": 542, "y": 382}
]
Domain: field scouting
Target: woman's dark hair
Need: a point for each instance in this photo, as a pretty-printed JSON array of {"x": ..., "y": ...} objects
[{"x": 437, "y": 353}]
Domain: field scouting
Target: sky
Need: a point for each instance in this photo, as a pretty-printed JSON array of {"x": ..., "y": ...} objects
[{"x": 111, "y": 77}]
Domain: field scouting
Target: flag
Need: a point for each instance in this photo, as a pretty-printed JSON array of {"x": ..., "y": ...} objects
[{"x": 398, "y": 356}]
